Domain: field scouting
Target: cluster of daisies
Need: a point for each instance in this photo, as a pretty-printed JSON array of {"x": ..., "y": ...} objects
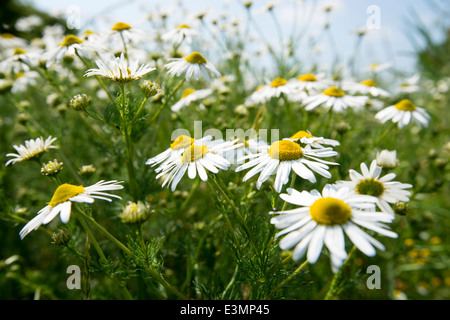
[{"x": 319, "y": 219}]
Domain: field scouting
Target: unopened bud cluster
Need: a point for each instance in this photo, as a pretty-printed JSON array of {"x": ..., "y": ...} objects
[
  {"x": 80, "y": 102},
  {"x": 51, "y": 168},
  {"x": 135, "y": 213},
  {"x": 149, "y": 88}
]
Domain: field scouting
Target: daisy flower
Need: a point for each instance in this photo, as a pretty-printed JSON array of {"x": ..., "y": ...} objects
[
  {"x": 335, "y": 99},
  {"x": 410, "y": 85},
  {"x": 277, "y": 87},
  {"x": 61, "y": 202},
  {"x": 192, "y": 65},
  {"x": 188, "y": 96},
  {"x": 19, "y": 61},
  {"x": 176, "y": 149},
  {"x": 403, "y": 113},
  {"x": 378, "y": 67},
  {"x": 118, "y": 69},
  {"x": 365, "y": 87},
  {"x": 317, "y": 142},
  {"x": 247, "y": 147},
  {"x": 32, "y": 149},
  {"x": 311, "y": 83},
  {"x": 284, "y": 155},
  {"x": 71, "y": 45},
  {"x": 369, "y": 182},
  {"x": 182, "y": 32},
  {"x": 122, "y": 31},
  {"x": 324, "y": 219},
  {"x": 197, "y": 158}
]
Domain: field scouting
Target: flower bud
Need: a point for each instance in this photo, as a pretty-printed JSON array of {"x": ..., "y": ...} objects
[
  {"x": 80, "y": 102},
  {"x": 135, "y": 213},
  {"x": 86, "y": 170},
  {"x": 401, "y": 208},
  {"x": 387, "y": 159},
  {"x": 61, "y": 237},
  {"x": 149, "y": 88},
  {"x": 51, "y": 168}
]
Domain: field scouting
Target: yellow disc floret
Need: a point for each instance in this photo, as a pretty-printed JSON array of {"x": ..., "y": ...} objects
[
  {"x": 285, "y": 150},
  {"x": 187, "y": 92},
  {"x": 18, "y": 51},
  {"x": 195, "y": 57},
  {"x": 302, "y": 134},
  {"x": 278, "y": 82},
  {"x": 308, "y": 77},
  {"x": 334, "y": 92},
  {"x": 371, "y": 187},
  {"x": 64, "y": 192},
  {"x": 184, "y": 26},
  {"x": 330, "y": 211},
  {"x": 405, "y": 105},
  {"x": 369, "y": 83},
  {"x": 120, "y": 26},
  {"x": 182, "y": 142},
  {"x": 70, "y": 40},
  {"x": 194, "y": 153}
]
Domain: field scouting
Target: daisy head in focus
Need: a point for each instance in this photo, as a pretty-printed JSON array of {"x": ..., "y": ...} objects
[
  {"x": 334, "y": 99},
  {"x": 61, "y": 202},
  {"x": 71, "y": 46},
  {"x": 188, "y": 96},
  {"x": 197, "y": 159},
  {"x": 369, "y": 182},
  {"x": 118, "y": 69},
  {"x": 193, "y": 65},
  {"x": 403, "y": 113},
  {"x": 283, "y": 156},
  {"x": 324, "y": 218},
  {"x": 366, "y": 87},
  {"x": 31, "y": 149},
  {"x": 316, "y": 142},
  {"x": 183, "y": 33}
]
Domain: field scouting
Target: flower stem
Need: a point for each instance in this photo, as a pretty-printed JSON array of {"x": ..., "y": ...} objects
[
  {"x": 332, "y": 289},
  {"x": 167, "y": 100}
]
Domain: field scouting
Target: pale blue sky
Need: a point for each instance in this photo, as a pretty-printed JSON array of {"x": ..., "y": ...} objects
[{"x": 390, "y": 43}]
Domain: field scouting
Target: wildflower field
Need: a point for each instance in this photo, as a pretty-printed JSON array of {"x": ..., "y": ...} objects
[{"x": 201, "y": 158}]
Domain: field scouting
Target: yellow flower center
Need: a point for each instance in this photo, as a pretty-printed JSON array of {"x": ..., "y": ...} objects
[
  {"x": 302, "y": 134},
  {"x": 307, "y": 77},
  {"x": 373, "y": 66},
  {"x": 330, "y": 211},
  {"x": 195, "y": 57},
  {"x": 64, "y": 192},
  {"x": 120, "y": 26},
  {"x": 18, "y": 51},
  {"x": 194, "y": 153},
  {"x": 182, "y": 142},
  {"x": 243, "y": 141},
  {"x": 405, "y": 105},
  {"x": 370, "y": 187},
  {"x": 187, "y": 92},
  {"x": 334, "y": 92},
  {"x": 70, "y": 40},
  {"x": 7, "y": 36},
  {"x": 369, "y": 83},
  {"x": 285, "y": 150},
  {"x": 184, "y": 26},
  {"x": 278, "y": 82}
]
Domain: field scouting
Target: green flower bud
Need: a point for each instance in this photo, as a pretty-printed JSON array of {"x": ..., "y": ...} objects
[
  {"x": 80, "y": 102},
  {"x": 61, "y": 237},
  {"x": 149, "y": 88},
  {"x": 86, "y": 170},
  {"x": 135, "y": 213},
  {"x": 51, "y": 168}
]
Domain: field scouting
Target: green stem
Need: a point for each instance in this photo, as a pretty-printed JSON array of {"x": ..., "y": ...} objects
[
  {"x": 141, "y": 107},
  {"x": 167, "y": 100},
  {"x": 332, "y": 289},
  {"x": 93, "y": 240},
  {"x": 287, "y": 280}
]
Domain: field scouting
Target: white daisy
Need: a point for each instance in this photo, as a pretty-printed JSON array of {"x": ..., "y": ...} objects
[
  {"x": 61, "y": 202},
  {"x": 188, "y": 96},
  {"x": 387, "y": 159},
  {"x": 383, "y": 188},
  {"x": 19, "y": 61},
  {"x": 197, "y": 158},
  {"x": 31, "y": 150},
  {"x": 403, "y": 113},
  {"x": 271, "y": 90},
  {"x": 180, "y": 34},
  {"x": 365, "y": 87},
  {"x": 317, "y": 142},
  {"x": 176, "y": 149},
  {"x": 410, "y": 85},
  {"x": 284, "y": 155},
  {"x": 118, "y": 69},
  {"x": 123, "y": 32},
  {"x": 335, "y": 99},
  {"x": 324, "y": 219},
  {"x": 71, "y": 45},
  {"x": 192, "y": 66},
  {"x": 311, "y": 83}
]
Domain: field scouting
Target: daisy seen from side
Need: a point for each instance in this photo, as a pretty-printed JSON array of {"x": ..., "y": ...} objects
[
  {"x": 316, "y": 142},
  {"x": 335, "y": 99},
  {"x": 324, "y": 218},
  {"x": 403, "y": 113},
  {"x": 61, "y": 202},
  {"x": 188, "y": 96},
  {"x": 193, "y": 65},
  {"x": 31, "y": 149}
]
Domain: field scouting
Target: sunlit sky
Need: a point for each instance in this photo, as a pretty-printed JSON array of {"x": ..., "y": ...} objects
[{"x": 393, "y": 42}]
